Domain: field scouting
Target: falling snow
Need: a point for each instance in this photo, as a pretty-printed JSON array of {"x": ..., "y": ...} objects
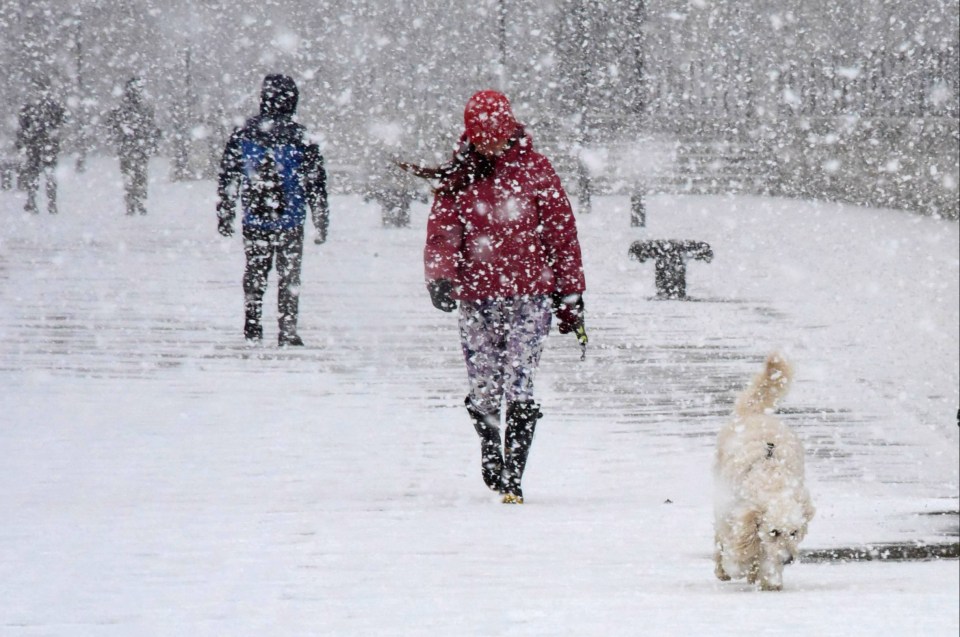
[{"x": 160, "y": 478}]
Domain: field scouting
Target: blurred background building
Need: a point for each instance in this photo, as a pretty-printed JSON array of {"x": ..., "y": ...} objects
[{"x": 854, "y": 100}]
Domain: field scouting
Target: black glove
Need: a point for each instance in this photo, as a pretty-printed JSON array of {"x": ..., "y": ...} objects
[
  {"x": 441, "y": 294},
  {"x": 224, "y": 227},
  {"x": 225, "y": 218},
  {"x": 321, "y": 227},
  {"x": 569, "y": 311}
]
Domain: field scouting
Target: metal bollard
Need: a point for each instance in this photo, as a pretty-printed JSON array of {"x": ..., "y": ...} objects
[
  {"x": 670, "y": 263},
  {"x": 638, "y": 210}
]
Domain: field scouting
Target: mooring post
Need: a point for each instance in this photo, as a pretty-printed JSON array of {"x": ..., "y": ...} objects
[
  {"x": 669, "y": 257},
  {"x": 638, "y": 210}
]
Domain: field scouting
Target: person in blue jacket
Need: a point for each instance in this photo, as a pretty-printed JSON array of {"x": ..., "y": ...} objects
[{"x": 278, "y": 176}]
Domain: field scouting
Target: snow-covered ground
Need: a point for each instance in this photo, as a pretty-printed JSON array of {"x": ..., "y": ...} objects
[{"x": 158, "y": 478}]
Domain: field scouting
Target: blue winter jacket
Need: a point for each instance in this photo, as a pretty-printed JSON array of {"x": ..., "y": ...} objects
[{"x": 283, "y": 138}]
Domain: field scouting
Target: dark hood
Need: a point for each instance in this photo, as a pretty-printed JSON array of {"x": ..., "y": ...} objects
[{"x": 278, "y": 96}]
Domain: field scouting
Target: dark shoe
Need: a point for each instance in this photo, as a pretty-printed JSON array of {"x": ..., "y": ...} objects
[
  {"x": 522, "y": 420},
  {"x": 253, "y": 333},
  {"x": 289, "y": 340},
  {"x": 491, "y": 451}
]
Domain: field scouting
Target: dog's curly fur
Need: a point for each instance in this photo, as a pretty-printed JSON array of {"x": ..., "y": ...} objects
[{"x": 762, "y": 507}]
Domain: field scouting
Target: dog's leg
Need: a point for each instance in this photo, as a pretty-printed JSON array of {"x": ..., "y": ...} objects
[
  {"x": 749, "y": 545},
  {"x": 718, "y": 570},
  {"x": 753, "y": 572},
  {"x": 771, "y": 584},
  {"x": 718, "y": 561},
  {"x": 771, "y": 571}
]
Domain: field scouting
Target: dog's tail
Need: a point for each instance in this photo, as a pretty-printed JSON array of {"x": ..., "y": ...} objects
[{"x": 767, "y": 387}]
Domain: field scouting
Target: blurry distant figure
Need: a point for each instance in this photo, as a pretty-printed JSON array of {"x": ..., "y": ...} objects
[
  {"x": 393, "y": 190},
  {"x": 132, "y": 129},
  {"x": 38, "y": 142},
  {"x": 279, "y": 177}
]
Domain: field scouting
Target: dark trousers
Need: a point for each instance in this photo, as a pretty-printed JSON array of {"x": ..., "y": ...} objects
[
  {"x": 134, "y": 169},
  {"x": 30, "y": 173},
  {"x": 260, "y": 247}
]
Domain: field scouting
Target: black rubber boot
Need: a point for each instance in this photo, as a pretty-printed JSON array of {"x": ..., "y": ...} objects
[
  {"x": 491, "y": 451},
  {"x": 522, "y": 419}
]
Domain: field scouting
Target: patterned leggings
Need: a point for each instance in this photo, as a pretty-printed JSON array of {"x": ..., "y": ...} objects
[{"x": 502, "y": 340}]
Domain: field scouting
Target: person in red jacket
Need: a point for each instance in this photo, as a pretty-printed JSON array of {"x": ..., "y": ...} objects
[{"x": 502, "y": 240}]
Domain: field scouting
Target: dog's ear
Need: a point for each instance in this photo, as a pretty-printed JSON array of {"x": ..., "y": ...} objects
[
  {"x": 745, "y": 538},
  {"x": 808, "y": 509},
  {"x": 751, "y": 520}
]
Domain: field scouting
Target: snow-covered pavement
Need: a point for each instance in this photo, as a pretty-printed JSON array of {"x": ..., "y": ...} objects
[{"x": 159, "y": 478}]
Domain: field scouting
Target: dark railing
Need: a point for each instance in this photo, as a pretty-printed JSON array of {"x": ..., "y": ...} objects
[
  {"x": 922, "y": 82},
  {"x": 881, "y": 130}
]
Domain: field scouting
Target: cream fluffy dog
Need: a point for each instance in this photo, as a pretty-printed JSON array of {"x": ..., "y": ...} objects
[{"x": 762, "y": 507}]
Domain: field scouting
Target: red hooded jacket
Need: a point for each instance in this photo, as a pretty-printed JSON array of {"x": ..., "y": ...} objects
[{"x": 511, "y": 233}]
